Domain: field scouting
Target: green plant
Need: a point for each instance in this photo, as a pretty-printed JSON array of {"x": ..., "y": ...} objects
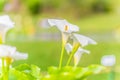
[{"x": 71, "y": 41}]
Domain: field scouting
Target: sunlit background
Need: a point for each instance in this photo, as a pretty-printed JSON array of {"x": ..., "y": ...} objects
[{"x": 98, "y": 19}]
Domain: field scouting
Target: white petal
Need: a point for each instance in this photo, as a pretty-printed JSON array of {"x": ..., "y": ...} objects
[
  {"x": 5, "y": 25},
  {"x": 108, "y": 60},
  {"x": 62, "y": 24},
  {"x": 6, "y": 21},
  {"x": 19, "y": 56},
  {"x": 44, "y": 23},
  {"x": 6, "y": 50},
  {"x": 3, "y": 52},
  {"x": 72, "y": 28},
  {"x": 80, "y": 50},
  {"x": 83, "y": 40},
  {"x": 78, "y": 55},
  {"x": 65, "y": 37},
  {"x": 52, "y": 22},
  {"x": 9, "y": 51},
  {"x": 68, "y": 47}
]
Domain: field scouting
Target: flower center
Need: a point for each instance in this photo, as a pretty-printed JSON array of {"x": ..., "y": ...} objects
[
  {"x": 66, "y": 28},
  {"x": 9, "y": 60}
]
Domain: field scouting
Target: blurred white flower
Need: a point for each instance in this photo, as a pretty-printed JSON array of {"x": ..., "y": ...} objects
[
  {"x": 11, "y": 53},
  {"x": 5, "y": 25},
  {"x": 68, "y": 48},
  {"x": 83, "y": 40},
  {"x": 108, "y": 60},
  {"x": 6, "y": 21},
  {"x": 63, "y": 25},
  {"x": 78, "y": 55}
]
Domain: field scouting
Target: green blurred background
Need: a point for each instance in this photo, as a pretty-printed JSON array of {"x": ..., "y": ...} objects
[{"x": 98, "y": 19}]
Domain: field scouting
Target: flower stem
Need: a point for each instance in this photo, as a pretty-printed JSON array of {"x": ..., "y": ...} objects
[
  {"x": 5, "y": 70},
  {"x": 70, "y": 58},
  {"x": 75, "y": 48},
  {"x": 61, "y": 57},
  {"x": 3, "y": 66}
]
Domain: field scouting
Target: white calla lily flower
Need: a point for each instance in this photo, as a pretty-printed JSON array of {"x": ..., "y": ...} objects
[
  {"x": 108, "y": 60},
  {"x": 66, "y": 29},
  {"x": 5, "y": 25},
  {"x": 68, "y": 48},
  {"x": 83, "y": 40},
  {"x": 6, "y": 21},
  {"x": 63, "y": 25},
  {"x": 78, "y": 55},
  {"x": 9, "y": 51}
]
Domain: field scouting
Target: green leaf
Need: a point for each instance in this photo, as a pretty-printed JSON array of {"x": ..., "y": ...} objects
[
  {"x": 65, "y": 73},
  {"x": 95, "y": 69},
  {"x": 72, "y": 73},
  {"x": 53, "y": 70},
  {"x": 31, "y": 71},
  {"x": 80, "y": 72},
  {"x": 90, "y": 70},
  {"x": 18, "y": 75},
  {"x": 35, "y": 71},
  {"x": 23, "y": 67}
]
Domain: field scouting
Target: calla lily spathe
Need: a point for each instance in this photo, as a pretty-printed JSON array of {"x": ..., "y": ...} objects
[
  {"x": 6, "y": 21},
  {"x": 5, "y": 25},
  {"x": 66, "y": 29},
  {"x": 68, "y": 48},
  {"x": 63, "y": 25},
  {"x": 10, "y": 52},
  {"x": 83, "y": 40},
  {"x": 78, "y": 55}
]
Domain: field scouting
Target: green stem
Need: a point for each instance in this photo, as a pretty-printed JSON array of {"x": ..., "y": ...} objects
[
  {"x": 3, "y": 66},
  {"x": 70, "y": 58},
  {"x": 75, "y": 48},
  {"x": 5, "y": 70},
  {"x": 61, "y": 57}
]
